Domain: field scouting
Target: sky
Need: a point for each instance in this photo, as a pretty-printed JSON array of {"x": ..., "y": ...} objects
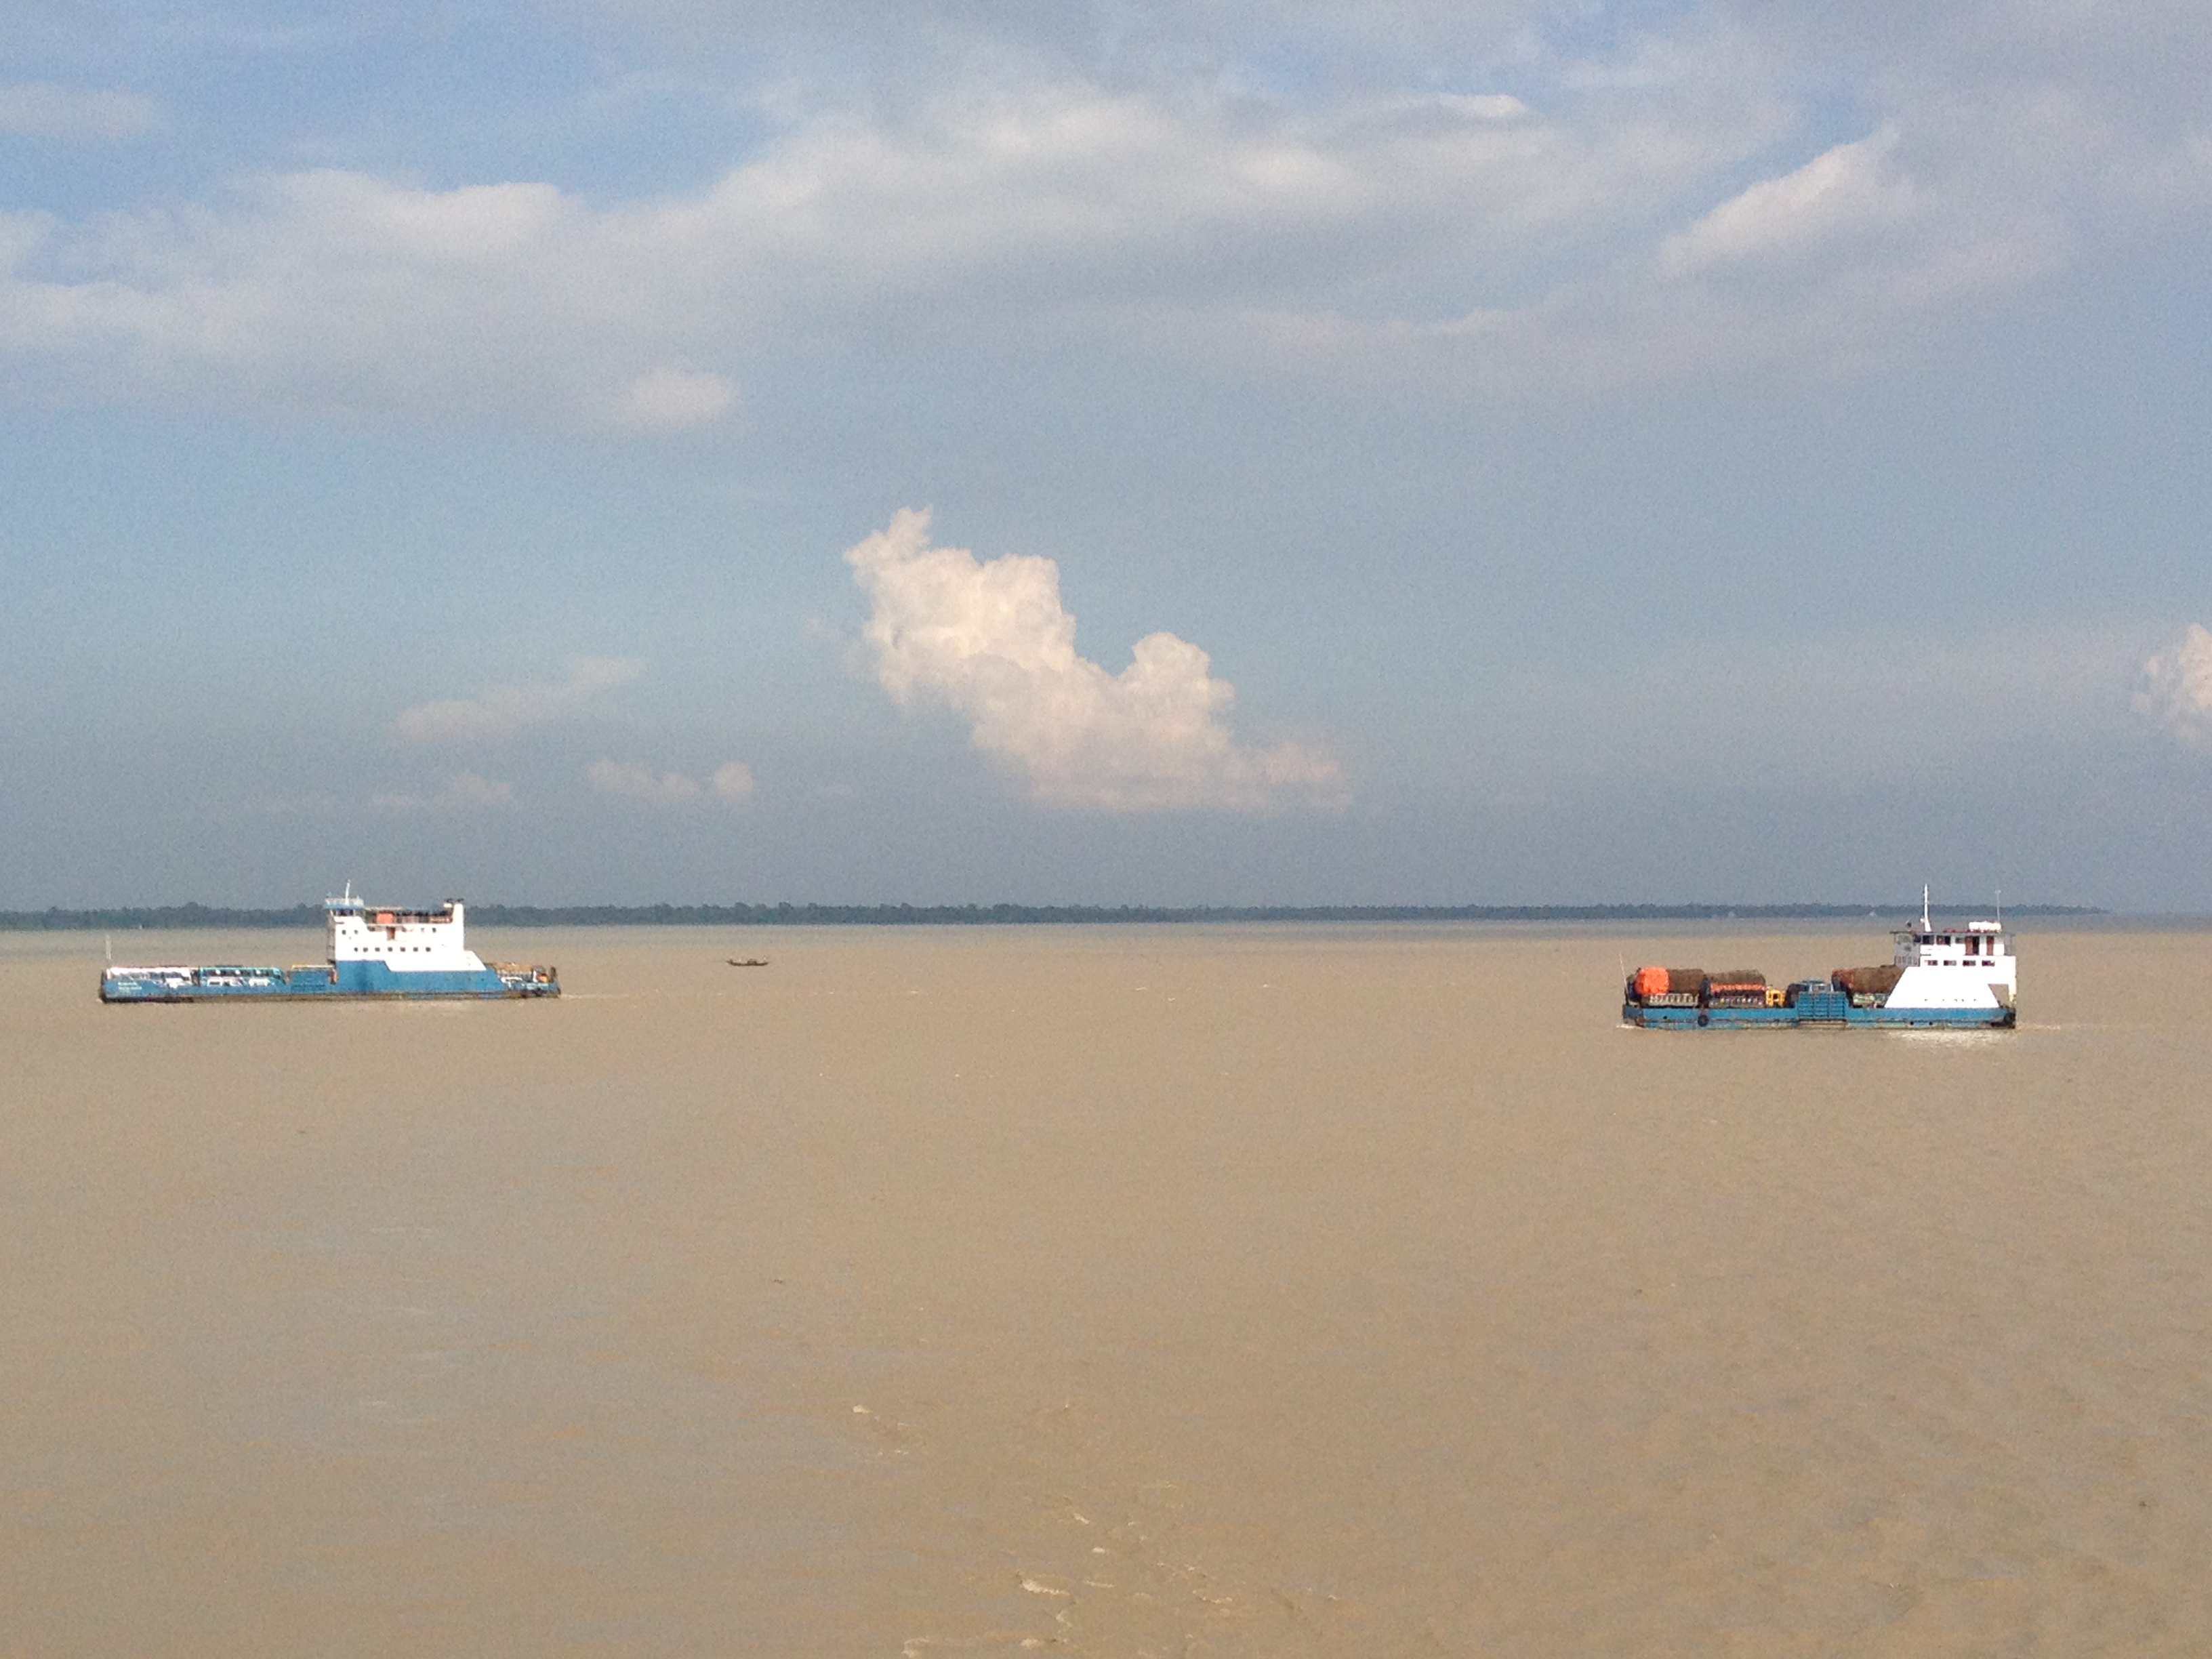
[{"x": 1185, "y": 452}]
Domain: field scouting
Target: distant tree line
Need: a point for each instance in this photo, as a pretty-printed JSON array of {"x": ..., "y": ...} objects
[
  {"x": 961, "y": 915},
  {"x": 159, "y": 915}
]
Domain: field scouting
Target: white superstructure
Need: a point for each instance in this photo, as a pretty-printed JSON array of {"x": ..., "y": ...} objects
[
  {"x": 406, "y": 941},
  {"x": 1954, "y": 966}
]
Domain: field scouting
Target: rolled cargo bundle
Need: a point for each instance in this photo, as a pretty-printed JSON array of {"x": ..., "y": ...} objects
[
  {"x": 1658, "y": 981},
  {"x": 1867, "y": 982},
  {"x": 1739, "y": 980}
]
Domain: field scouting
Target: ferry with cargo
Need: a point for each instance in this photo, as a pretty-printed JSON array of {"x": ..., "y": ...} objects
[
  {"x": 1953, "y": 975},
  {"x": 374, "y": 954}
]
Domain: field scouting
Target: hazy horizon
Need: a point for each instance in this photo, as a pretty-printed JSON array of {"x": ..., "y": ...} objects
[{"x": 193, "y": 915}]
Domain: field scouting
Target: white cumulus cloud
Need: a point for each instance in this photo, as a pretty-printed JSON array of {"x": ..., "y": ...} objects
[
  {"x": 503, "y": 711},
  {"x": 1484, "y": 236},
  {"x": 1155, "y": 221},
  {"x": 2176, "y": 689},
  {"x": 732, "y": 781},
  {"x": 993, "y": 641},
  {"x": 674, "y": 399},
  {"x": 1846, "y": 191},
  {"x": 613, "y": 777}
]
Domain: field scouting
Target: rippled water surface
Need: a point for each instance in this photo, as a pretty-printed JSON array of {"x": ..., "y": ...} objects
[{"x": 1111, "y": 1291}]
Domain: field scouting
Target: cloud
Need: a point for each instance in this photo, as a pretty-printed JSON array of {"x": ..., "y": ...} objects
[
  {"x": 1143, "y": 220},
  {"x": 463, "y": 791},
  {"x": 36, "y": 110},
  {"x": 2176, "y": 689},
  {"x": 1595, "y": 223},
  {"x": 503, "y": 711},
  {"x": 674, "y": 399},
  {"x": 732, "y": 781},
  {"x": 612, "y": 777},
  {"x": 1844, "y": 191},
  {"x": 993, "y": 641}
]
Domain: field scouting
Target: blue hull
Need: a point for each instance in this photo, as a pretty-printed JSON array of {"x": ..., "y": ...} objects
[
  {"x": 345, "y": 981},
  {"x": 1831, "y": 1011}
]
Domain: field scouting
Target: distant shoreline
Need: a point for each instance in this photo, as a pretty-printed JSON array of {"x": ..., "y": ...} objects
[{"x": 180, "y": 916}]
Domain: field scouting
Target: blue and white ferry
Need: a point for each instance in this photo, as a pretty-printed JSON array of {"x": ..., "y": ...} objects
[
  {"x": 1955, "y": 975},
  {"x": 374, "y": 953}
]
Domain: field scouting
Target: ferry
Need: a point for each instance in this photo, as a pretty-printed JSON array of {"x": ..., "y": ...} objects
[
  {"x": 374, "y": 954},
  {"x": 1952, "y": 976}
]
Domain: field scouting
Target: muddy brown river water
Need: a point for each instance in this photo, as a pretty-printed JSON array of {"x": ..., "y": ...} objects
[{"x": 1123, "y": 1291}]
